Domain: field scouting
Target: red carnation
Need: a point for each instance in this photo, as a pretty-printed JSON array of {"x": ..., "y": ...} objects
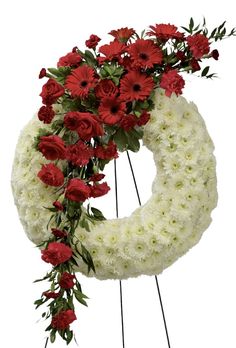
[
  {"x": 97, "y": 177},
  {"x": 51, "y": 294},
  {"x": 135, "y": 86},
  {"x": 79, "y": 154},
  {"x": 63, "y": 319},
  {"x": 72, "y": 59},
  {"x": 172, "y": 82},
  {"x": 122, "y": 34},
  {"x": 52, "y": 147},
  {"x": 59, "y": 233},
  {"x": 215, "y": 54},
  {"x": 51, "y": 175},
  {"x": 46, "y": 114},
  {"x": 112, "y": 50},
  {"x": 128, "y": 122},
  {"x": 80, "y": 81},
  {"x": 67, "y": 280},
  {"x": 165, "y": 32},
  {"x": 105, "y": 88},
  {"x": 144, "y": 53},
  {"x": 199, "y": 45},
  {"x": 92, "y": 41},
  {"x": 143, "y": 119},
  {"x": 99, "y": 190},
  {"x": 58, "y": 205},
  {"x": 56, "y": 253},
  {"x": 43, "y": 73},
  {"x": 111, "y": 110},
  {"x": 106, "y": 152},
  {"x": 77, "y": 190},
  {"x": 194, "y": 65},
  {"x": 51, "y": 91}
]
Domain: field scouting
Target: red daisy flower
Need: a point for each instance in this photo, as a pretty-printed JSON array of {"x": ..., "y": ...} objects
[
  {"x": 135, "y": 86},
  {"x": 165, "y": 32},
  {"x": 113, "y": 50},
  {"x": 144, "y": 53},
  {"x": 81, "y": 81},
  {"x": 122, "y": 34},
  {"x": 111, "y": 110}
]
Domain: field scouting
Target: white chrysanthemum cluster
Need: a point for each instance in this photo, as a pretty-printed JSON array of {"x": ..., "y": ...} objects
[{"x": 159, "y": 232}]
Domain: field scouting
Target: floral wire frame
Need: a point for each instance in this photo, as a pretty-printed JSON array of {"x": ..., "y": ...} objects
[{"x": 106, "y": 96}]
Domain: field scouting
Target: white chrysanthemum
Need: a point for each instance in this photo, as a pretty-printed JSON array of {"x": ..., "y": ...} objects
[{"x": 163, "y": 229}]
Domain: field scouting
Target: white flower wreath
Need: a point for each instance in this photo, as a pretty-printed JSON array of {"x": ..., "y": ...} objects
[{"x": 157, "y": 233}]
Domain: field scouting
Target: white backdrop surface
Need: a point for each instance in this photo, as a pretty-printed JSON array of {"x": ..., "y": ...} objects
[{"x": 198, "y": 290}]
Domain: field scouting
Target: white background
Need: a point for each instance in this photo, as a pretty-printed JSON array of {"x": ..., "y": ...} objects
[{"x": 198, "y": 290}]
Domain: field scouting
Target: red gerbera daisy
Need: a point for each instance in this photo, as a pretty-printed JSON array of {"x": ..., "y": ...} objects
[
  {"x": 113, "y": 50},
  {"x": 165, "y": 32},
  {"x": 111, "y": 110},
  {"x": 135, "y": 86},
  {"x": 122, "y": 34},
  {"x": 144, "y": 53},
  {"x": 81, "y": 81}
]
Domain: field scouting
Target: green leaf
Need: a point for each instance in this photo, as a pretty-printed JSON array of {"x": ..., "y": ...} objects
[
  {"x": 134, "y": 144},
  {"x": 69, "y": 336},
  {"x": 205, "y": 71},
  {"x": 191, "y": 24},
  {"x": 52, "y": 336},
  {"x": 80, "y": 297},
  {"x": 120, "y": 138},
  {"x": 54, "y": 71},
  {"x": 97, "y": 214}
]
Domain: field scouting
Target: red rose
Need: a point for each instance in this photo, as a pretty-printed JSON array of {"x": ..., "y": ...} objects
[
  {"x": 106, "y": 88},
  {"x": 52, "y": 147},
  {"x": 51, "y": 91},
  {"x": 51, "y": 175},
  {"x": 70, "y": 59},
  {"x": 194, "y": 65},
  {"x": 58, "y": 205},
  {"x": 97, "y": 177},
  {"x": 43, "y": 73},
  {"x": 51, "y": 294},
  {"x": 77, "y": 190},
  {"x": 128, "y": 122},
  {"x": 215, "y": 54},
  {"x": 93, "y": 41},
  {"x": 99, "y": 190},
  {"x": 172, "y": 82},
  {"x": 67, "y": 280},
  {"x": 106, "y": 152},
  {"x": 63, "y": 319},
  {"x": 143, "y": 119},
  {"x": 56, "y": 253},
  {"x": 79, "y": 154},
  {"x": 71, "y": 120},
  {"x": 59, "y": 233},
  {"x": 46, "y": 114},
  {"x": 199, "y": 45}
]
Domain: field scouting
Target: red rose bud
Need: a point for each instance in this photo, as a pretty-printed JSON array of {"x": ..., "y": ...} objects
[
  {"x": 106, "y": 152},
  {"x": 72, "y": 59},
  {"x": 105, "y": 88},
  {"x": 51, "y": 175},
  {"x": 63, "y": 319},
  {"x": 172, "y": 82},
  {"x": 58, "y": 205},
  {"x": 128, "y": 122},
  {"x": 194, "y": 65},
  {"x": 46, "y": 114},
  {"x": 59, "y": 233},
  {"x": 42, "y": 73},
  {"x": 99, "y": 190},
  {"x": 97, "y": 177},
  {"x": 77, "y": 190},
  {"x": 215, "y": 54},
  {"x": 67, "y": 281},
  {"x": 52, "y": 147},
  {"x": 51, "y": 294},
  {"x": 51, "y": 91},
  {"x": 93, "y": 41},
  {"x": 143, "y": 119},
  {"x": 56, "y": 253}
]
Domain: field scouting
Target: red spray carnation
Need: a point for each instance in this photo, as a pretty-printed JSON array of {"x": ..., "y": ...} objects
[
  {"x": 52, "y": 147},
  {"x": 172, "y": 82},
  {"x": 122, "y": 34},
  {"x": 67, "y": 280},
  {"x": 215, "y": 54},
  {"x": 106, "y": 88},
  {"x": 143, "y": 119},
  {"x": 80, "y": 81},
  {"x": 72, "y": 59},
  {"x": 128, "y": 122},
  {"x": 59, "y": 233},
  {"x": 93, "y": 41},
  {"x": 144, "y": 53},
  {"x": 198, "y": 45},
  {"x": 56, "y": 253},
  {"x": 135, "y": 86},
  {"x": 51, "y": 91},
  {"x": 112, "y": 50},
  {"x": 51, "y": 175},
  {"x": 165, "y": 32},
  {"x": 77, "y": 190},
  {"x": 51, "y": 294},
  {"x": 63, "y": 319},
  {"x": 106, "y": 152},
  {"x": 43, "y": 73},
  {"x": 111, "y": 110},
  {"x": 46, "y": 114},
  {"x": 58, "y": 205},
  {"x": 98, "y": 190},
  {"x": 97, "y": 177},
  {"x": 79, "y": 154}
]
